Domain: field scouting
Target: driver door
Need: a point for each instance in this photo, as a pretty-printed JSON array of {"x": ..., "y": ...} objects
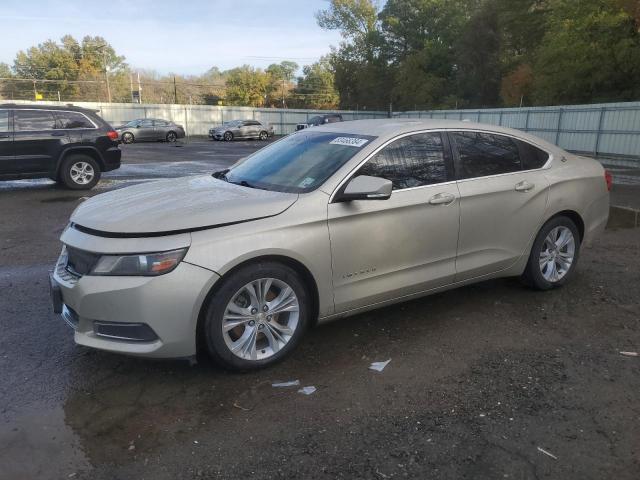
[{"x": 385, "y": 249}]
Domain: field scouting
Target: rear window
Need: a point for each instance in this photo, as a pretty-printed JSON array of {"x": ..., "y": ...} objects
[
  {"x": 484, "y": 154},
  {"x": 70, "y": 120},
  {"x": 33, "y": 120},
  {"x": 532, "y": 157}
]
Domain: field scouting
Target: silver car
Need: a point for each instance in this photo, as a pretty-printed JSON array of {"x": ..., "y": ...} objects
[
  {"x": 150, "y": 129},
  {"x": 323, "y": 224},
  {"x": 241, "y": 129}
]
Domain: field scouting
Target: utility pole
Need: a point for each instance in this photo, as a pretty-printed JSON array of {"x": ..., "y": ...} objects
[
  {"x": 283, "y": 106},
  {"x": 175, "y": 91},
  {"x": 106, "y": 74},
  {"x": 131, "y": 86},
  {"x": 139, "y": 88},
  {"x": 35, "y": 91}
]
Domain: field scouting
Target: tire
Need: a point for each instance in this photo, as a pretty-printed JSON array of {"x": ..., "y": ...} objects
[
  {"x": 171, "y": 137},
  {"x": 550, "y": 266},
  {"x": 249, "y": 321},
  {"x": 263, "y": 135},
  {"x": 228, "y": 136},
  {"x": 127, "y": 137},
  {"x": 79, "y": 172}
]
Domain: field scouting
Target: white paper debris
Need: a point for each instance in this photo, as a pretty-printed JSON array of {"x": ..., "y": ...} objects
[
  {"x": 307, "y": 390},
  {"x": 629, "y": 354},
  {"x": 549, "y": 454},
  {"x": 291, "y": 383},
  {"x": 378, "y": 366}
]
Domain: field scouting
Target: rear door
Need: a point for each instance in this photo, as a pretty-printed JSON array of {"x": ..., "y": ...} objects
[
  {"x": 160, "y": 127},
  {"x": 37, "y": 143},
  {"x": 7, "y": 160},
  {"x": 145, "y": 130},
  {"x": 502, "y": 201}
]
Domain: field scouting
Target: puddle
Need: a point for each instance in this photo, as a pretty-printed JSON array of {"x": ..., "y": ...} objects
[{"x": 33, "y": 439}]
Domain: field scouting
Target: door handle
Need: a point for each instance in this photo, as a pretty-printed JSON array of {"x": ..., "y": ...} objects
[
  {"x": 524, "y": 186},
  {"x": 442, "y": 199}
]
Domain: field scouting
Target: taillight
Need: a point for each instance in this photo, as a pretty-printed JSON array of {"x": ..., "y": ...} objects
[
  {"x": 112, "y": 134},
  {"x": 609, "y": 179}
]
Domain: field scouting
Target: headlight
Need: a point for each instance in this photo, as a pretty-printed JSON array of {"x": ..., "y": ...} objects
[{"x": 144, "y": 264}]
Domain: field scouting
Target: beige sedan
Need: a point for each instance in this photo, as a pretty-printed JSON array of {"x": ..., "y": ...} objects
[{"x": 323, "y": 224}]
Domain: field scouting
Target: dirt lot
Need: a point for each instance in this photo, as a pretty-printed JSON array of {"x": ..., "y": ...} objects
[{"x": 482, "y": 381}]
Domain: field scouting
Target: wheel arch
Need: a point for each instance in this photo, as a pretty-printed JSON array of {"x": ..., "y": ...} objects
[
  {"x": 87, "y": 150},
  {"x": 574, "y": 216},
  {"x": 305, "y": 274}
]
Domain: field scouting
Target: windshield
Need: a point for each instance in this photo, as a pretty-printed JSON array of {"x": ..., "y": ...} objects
[
  {"x": 232, "y": 123},
  {"x": 298, "y": 163}
]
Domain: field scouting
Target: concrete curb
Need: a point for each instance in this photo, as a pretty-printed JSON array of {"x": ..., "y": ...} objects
[{"x": 623, "y": 217}]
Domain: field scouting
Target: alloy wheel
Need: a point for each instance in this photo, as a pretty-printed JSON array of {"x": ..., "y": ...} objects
[
  {"x": 557, "y": 254},
  {"x": 171, "y": 137},
  {"x": 82, "y": 173},
  {"x": 260, "y": 319}
]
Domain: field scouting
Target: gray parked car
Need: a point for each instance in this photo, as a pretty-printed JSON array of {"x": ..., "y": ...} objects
[
  {"x": 241, "y": 129},
  {"x": 149, "y": 129}
]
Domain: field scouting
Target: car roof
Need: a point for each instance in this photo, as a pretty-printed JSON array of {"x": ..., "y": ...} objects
[
  {"x": 390, "y": 127},
  {"x": 67, "y": 108}
]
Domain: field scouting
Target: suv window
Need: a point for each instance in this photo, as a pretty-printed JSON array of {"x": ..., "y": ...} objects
[
  {"x": 69, "y": 120},
  {"x": 532, "y": 157},
  {"x": 483, "y": 154},
  {"x": 4, "y": 120},
  {"x": 33, "y": 120},
  {"x": 411, "y": 161}
]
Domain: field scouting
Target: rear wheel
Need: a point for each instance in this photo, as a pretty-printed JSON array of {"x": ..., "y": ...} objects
[
  {"x": 171, "y": 137},
  {"x": 228, "y": 136},
  {"x": 127, "y": 137},
  {"x": 554, "y": 254},
  {"x": 257, "y": 317},
  {"x": 79, "y": 172}
]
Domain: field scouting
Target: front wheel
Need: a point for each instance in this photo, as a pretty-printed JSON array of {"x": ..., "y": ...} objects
[
  {"x": 554, "y": 254},
  {"x": 79, "y": 172},
  {"x": 228, "y": 136},
  {"x": 263, "y": 135},
  {"x": 171, "y": 137},
  {"x": 257, "y": 317},
  {"x": 127, "y": 137}
]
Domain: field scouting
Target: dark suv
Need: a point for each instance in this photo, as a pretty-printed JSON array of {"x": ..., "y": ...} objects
[
  {"x": 320, "y": 120},
  {"x": 70, "y": 145}
]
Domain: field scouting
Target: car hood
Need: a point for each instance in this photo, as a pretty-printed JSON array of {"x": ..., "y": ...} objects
[{"x": 177, "y": 205}]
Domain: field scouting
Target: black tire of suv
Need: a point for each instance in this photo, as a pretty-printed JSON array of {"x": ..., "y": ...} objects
[
  {"x": 212, "y": 328},
  {"x": 171, "y": 137},
  {"x": 127, "y": 137},
  {"x": 65, "y": 172},
  {"x": 532, "y": 276}
]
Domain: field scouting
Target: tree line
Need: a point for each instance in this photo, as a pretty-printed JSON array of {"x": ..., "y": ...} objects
[
  {"x": 428, "y": 54},
  {"x": 91, "y": 70}
]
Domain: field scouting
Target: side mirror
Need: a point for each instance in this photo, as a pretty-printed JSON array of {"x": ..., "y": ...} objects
[{"x": 365, "y": 187}]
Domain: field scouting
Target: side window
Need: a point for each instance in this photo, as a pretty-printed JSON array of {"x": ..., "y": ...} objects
[
  {"x": 334, "y": 119},
  {"x": 145, "y": 123},
  {"x": 160, "y": 123},
  {"x": 4, "y": 120},
  {"x": 532, "y": 157},
  {"x": 483, "y": 154},
  {"x": 411, "y": 161},
  {"x": 73, "y": 120},
  {"x": 33, "y": 120}
]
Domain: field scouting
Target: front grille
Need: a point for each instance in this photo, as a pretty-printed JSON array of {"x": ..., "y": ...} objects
[{"x": 80, "y": 262}]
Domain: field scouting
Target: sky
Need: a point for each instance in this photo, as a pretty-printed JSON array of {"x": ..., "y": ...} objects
[{"x": 180, "y": 36}]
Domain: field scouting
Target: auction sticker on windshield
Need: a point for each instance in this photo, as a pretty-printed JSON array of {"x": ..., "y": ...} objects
[{"x": 349, "y": 141}]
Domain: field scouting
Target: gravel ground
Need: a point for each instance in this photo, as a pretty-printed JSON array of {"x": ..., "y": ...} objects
[{"x": 482, "y": 381}]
